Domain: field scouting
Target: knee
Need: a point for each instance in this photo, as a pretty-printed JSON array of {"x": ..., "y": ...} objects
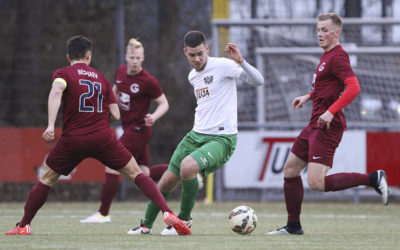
[
  {"x": 49, "y": 179},
  {"x": 290, "y": 170},
  {"x": 188, "y": 169},
  {"x": 316, "y": 184}
]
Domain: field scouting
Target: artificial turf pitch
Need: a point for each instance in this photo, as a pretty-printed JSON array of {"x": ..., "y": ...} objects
[{"x": 332, "y": 225}]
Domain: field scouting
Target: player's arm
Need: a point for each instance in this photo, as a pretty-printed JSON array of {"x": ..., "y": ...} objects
[
  {"x": 116, "y": 92},
  {"x": 54, "y": 103},
  {"x": 250, "y": 74},
  {"x": 299, "y": 101},
  {"x": 114, "y": 112},
  {"x": 349, "y": 94},
  {"x": 162, "y": 108}
]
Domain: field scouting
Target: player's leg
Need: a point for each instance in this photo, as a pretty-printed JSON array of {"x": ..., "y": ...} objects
[
  {"x": 214, "y": 152},
  {"x": 320, "y": 160},
  {"x": 36, "y": 198},
  {"x": 190, "y": 186},
  {"x": 293, "y": 184},
  {"x": 341, "y": 181},
  {"x": 168, "y": 182},
  {"x": 156, "y": 171},
  {"x": 109, "y": 190},
  {"x": 294, "y": 192},
  {"x": 149, "y": 188}
]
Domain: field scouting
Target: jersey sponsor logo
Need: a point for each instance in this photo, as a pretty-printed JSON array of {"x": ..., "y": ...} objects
[
  {"x": 118, "y": 81},
  {"x": 208, "y": 79},
  {"x": 202, "y": 93},
  {"x": 124, "y": 101},
  {"x": 314, "y": 78},
  {"x": 316, "y": 157},
  {"x": 87, "y": 73},
  {"x": 209, "y": 153},
  {"x": 134, "y": 88},
  {"x": 321, "y": 67}
]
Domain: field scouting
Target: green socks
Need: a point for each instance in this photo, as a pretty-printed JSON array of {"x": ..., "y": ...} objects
[
  {"x": 152, "y": 212},
  {"x": 190, "y": 188}
]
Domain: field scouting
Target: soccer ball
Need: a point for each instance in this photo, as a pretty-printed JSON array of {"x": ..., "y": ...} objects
[{"x": 242, "y": 220}]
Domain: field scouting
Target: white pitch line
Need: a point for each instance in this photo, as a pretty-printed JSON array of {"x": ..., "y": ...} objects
[{"x": 70, "y": 213}]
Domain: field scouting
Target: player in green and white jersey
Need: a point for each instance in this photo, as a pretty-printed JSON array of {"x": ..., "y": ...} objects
[{"x": 212, "y": 140}]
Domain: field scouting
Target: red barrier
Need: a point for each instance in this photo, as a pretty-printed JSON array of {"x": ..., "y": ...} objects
[
  {"x": 383, "y": 153},
  {"x": 22, "y": 152}
]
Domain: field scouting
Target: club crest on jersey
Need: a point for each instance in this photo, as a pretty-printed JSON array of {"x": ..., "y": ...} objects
[
  {"x": 134, "y": 88},
  {"x": 202, "y": 93},
  {"x": 321, "y": 67},
  {"x": 208, "y": 79}
]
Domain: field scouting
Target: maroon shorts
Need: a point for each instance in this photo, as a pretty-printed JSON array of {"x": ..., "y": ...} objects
[
  {"x": 102, "y": 145},
  {"x": 137, "y": 140},
  {"x": 317, "y": 145}
]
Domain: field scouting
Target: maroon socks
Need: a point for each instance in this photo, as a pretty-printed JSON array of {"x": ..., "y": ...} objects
[
  {"x": 294, "y": 192},
  {"x": 36, "y": 198},
  {"x": 108, "y": 192},
  {"x": 342, "y": 181},
  {"x": 150, "y": 189}
]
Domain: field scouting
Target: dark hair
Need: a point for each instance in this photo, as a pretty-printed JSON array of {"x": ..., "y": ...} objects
[
  {"x": 78, "y": 46},
  {"x": 194, "y": 39}
]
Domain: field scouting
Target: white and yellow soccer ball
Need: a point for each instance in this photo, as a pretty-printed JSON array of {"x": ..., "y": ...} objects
[{"x": 242, "y": 220}]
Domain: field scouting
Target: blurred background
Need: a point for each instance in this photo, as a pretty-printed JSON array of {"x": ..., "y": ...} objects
[{"x": 278, "y": 36}]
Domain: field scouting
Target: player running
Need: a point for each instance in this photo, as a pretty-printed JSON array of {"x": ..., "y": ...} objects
[{"x": 316, "y": 144}]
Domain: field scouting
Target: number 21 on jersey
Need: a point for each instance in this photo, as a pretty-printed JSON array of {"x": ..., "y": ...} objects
[{"x": 92, "y": 86}]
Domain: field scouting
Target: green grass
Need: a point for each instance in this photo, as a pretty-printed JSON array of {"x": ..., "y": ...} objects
[{"x": 326, "y": 226}]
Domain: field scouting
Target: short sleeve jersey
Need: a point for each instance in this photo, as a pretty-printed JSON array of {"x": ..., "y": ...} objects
[
  {"x": 85, "y": 100},
  {"x": 135, "y": 95},
  {"x": 215, "y": 90},
  {"x": 328, "y": 85}
]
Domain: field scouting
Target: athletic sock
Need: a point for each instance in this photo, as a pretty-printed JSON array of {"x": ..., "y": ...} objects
[
  {"x": 343, "y": 181},
  {"x": 157, "y": 171},
  {"x": 294, "y": 192},
  {"x": 294, "y": 225},
  {"x": 36, "y": 198},
  {"x": 189, "y": 192},
  {"x": 152, "y": 212},
  {"x": 373, "y": 178},
  {"x": 108, "y": 192},
  {"x": 150, "y": 189}
]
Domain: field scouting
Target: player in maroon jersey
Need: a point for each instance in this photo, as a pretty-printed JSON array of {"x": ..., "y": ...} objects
[
  {"x": 88, "y": 105},
  {"x": 316, "y": 144},
  {"x": 134, "y": 89}
]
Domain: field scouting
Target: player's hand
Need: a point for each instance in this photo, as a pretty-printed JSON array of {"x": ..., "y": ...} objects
[
  {"x": 48, "y": 134},
  {"x": 233, "y": 52},
  {"x": 299, "y": 101},
  {"x": 149, "y": 120},
  {"x": 326, "y": 119}
]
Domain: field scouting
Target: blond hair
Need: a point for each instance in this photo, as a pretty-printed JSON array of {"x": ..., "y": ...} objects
[
  {"x": 335, "y": 18},
  {"x": 133, "y": 44}
]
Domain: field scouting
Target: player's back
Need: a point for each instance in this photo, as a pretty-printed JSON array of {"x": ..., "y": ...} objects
[{"x": 85, "y": 99}]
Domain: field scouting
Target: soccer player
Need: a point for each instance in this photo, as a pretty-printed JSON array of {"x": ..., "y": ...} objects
[
  {"x": 134, "y": 89},
  {"x": 316, "y": 144},
  {"x": 212, "y": 140},
  {"x": 88, "y": 105}
]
